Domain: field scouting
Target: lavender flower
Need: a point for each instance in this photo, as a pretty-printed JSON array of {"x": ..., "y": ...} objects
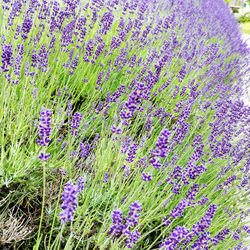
[
  {"x": 44, "y": 131},
  {"x": 26, "y": 27},
  {"x": 133, "y": 214},
  {"x": 84, "y": 149},
  {"x": 106, "y": 177},
  {"x": 220, "y": 236},
  {"x": 175, "y": 238},
  {"x": 7, "y": 58},
  {"x": 117, "y": 222},
  {"x": 126, "y": 145},
  {"x": 133, "y": 238},
  {"x": 192, "y": 193},
  {"x": 69, "y": 198},
  {"x": 132, "y": 152},
  {"x": 131, "y": 221},
  {"x": 203, "y": 200},
  {"x": 202, "y": 242},
  {"x": 113, "y": 129},
  {"x": 146, "y": 176},
  {"x": 69, "y": 109},
  {"x": 80, "y": 184},
  {"x": 76, "y": 119},
  {"x": 97, "y": 136},
  {"x": 205, "y": 221},
  {"x": 106, "y": 22},
  {"x": 166, "y": 221},
  {"x": 178, "y": 210},
  {"x": 161, "y": 147}
]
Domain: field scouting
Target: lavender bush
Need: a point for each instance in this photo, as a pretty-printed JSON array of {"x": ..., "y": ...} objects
[{"x": 122, "y": 125}]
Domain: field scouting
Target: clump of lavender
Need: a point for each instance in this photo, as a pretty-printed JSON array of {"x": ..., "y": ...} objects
[
  {"x": 69, "y": 199},
  {"x": 205, "y": 221},
  {"x": 76, "y": 119},
  {"x": 146, "y": 176},
  {"x": 161, "y": 148},
  {"x": 7, "y": 57},
  {"x": 158, "y": 83},
  {"x": 178, "y": 234},
  {"x": 179, "y": 209},
  {"x": 117, "y": 219},
  {"x": 132, "y": 152},
  {"x": 106, "y": 177},
  {"x": 126, "y": 229},
  {"x": 44, "y": 131}
]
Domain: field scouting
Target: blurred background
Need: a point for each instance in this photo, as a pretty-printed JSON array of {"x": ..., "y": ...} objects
[{"x": 241, "y": 10}]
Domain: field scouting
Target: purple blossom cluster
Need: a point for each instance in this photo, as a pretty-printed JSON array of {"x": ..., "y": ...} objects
[
  {"x": 220, "y": 236},
  {"x": 69, "y": 199},
  {"x": 117, "y": 219},
  {"x": 126, "y": 145},
  {"x": 193, "y": 192},
  {"x": 7, "y": 57},
  {"x": 84, "y": 149},
  {"x": 76, "y": 119},
  {"x": 106, "y": 177},
  {"x": 44, "y": 131},
  {"x": 184, "y": 235},
  {"x": 206, "y": 220},
  {"x": 146, "y": 177},
  {"x": 131, "y": 221},
  {"x": 178, "y": 234},
  {"x": 132, "y": 152},
  {"x": 161, "y": 148},
  {"x": 179, "y": 209}
]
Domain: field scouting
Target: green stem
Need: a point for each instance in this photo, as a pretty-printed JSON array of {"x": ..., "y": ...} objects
[
  {"x": 43, "y": 202},
  {"x": 55, "y": 212}
]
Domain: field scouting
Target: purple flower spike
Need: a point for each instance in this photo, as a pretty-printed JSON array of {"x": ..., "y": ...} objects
[
  {"x": 126, "y": 145},
  {"x": 76, "y": 122},
  {"x": 106, "y": 177},
  {"x": 117, "y": 222},
  {"x": 166, "y": 221},
  {"x": 205, "y": 221},
  {"x": 133, "y": 238},
  {"x": 7, "y": 57},
  {"x": 132, "y": 152},
  {"x": 135, "y": 207},
  {"x": 193, "y": 192},
  {"x": 178, "y": 210},
  {"x": 175, "y": 238},
  {"x": 146, "y": 176},
  {"x": 113, "y": 129},
  {"x": 44, "y": 131},
  {"x": 44, "y": 127},
  {"x": 131, "y": 221},
  {"x": 80, "y": 184},
  {"x": 44, "y": 156},
  {"x": 69, "y": 198}
]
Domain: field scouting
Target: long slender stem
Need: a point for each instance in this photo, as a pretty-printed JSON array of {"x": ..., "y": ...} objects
[
  {"x": 55, "y": 213},
  {"x": 43, "y": 203}
]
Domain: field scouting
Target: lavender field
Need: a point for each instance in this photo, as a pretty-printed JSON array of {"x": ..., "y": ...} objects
[{"x": 122, "y": 125}]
